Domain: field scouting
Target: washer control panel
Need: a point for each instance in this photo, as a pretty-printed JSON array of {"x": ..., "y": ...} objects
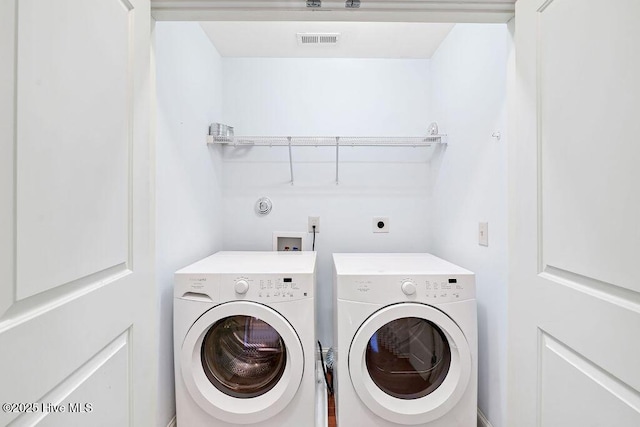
[
  {"x": 268, "y": 288},
  {"x": 272, "y": 288}
]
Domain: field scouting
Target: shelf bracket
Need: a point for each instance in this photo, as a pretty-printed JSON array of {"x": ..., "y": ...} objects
[
  {"x": 290, "y": 160},
  {"x": 337, "y": 159}
]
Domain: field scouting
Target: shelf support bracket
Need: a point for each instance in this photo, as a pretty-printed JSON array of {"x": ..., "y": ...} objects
[
  {"x": 290, "y": 160},
  {"x": 337, "y": 159}
]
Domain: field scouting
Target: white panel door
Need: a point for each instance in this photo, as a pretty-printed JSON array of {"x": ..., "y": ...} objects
[
  {"x": 77, "y": 301},
  {"x": 574, "y": 296}
]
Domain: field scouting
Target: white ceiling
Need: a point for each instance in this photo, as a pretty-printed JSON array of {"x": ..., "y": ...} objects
[{"x": 357, "y": 39}]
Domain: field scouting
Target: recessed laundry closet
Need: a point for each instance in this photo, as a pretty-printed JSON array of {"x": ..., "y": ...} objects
[{"x": 388, "y": 137}]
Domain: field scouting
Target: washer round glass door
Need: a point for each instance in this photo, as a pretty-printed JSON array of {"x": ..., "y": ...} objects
[
  {"x": 242, "y": 362},
  {"x": 409, "y": 363}
]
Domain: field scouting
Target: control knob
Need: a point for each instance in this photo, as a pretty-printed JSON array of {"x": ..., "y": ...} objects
[
  {"x": 241, "y": 287},
  {"x": 409, "y": 288}
]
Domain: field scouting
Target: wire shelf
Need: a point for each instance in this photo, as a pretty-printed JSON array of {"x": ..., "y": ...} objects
[
  {"x": 317, "y": 141},
  {"x": 220, "y": 134}
]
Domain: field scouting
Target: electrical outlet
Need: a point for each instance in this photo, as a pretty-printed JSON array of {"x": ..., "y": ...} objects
[
  {"x": 380, "y": 224},
  {"x": 483, "y": 234},
  {"x": 314, "y": 220}
]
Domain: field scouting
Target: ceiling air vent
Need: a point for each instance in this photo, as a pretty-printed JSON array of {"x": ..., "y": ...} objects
[{"x": 318, "y": 38}]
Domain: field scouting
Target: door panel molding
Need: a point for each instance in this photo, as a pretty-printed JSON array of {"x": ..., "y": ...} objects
[
  {"x": 8, "y": 149},
  {"x": 48, "y": 172},
  {"x": 585, "y": 216},
  {"x": 61, "y": 392},
  {"x": 608, "y": 292},
  {"x": 31, "y": 307},
  {"x": 49, "y": 354},
  {"x": 606, "y": 382},
  {"x": 544, "y": 5},
  {"x": 127, "y": 5}
]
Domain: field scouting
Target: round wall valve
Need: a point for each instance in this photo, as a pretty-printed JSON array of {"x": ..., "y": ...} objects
[{"x": 263, "y": 206}]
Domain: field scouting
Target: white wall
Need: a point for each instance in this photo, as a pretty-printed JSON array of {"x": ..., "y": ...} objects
[
  {"x": 328, "y": 97},
  {"x": 188, "y": 183},
  {"x": 469, "y": 73}
]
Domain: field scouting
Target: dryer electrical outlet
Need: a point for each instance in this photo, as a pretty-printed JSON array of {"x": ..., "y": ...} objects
[{"x": 380, "y": 224}]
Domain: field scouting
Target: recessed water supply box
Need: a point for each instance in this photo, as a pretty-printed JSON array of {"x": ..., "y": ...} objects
[{"x": 288, "y": 241}]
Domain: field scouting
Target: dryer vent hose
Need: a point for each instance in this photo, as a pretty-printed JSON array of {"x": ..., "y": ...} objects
[{"x": 324, "y": 370}]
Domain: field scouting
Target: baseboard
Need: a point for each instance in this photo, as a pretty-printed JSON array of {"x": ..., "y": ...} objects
[{"x": 482, "y": 420}]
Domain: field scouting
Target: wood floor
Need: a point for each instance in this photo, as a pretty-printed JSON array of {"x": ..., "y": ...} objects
[{"x": 331, "y": 404}]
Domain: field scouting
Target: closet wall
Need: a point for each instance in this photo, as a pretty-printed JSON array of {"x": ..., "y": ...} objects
[
  {"x": 188, "y": 182},
  {"x": 469, "y": 87}
]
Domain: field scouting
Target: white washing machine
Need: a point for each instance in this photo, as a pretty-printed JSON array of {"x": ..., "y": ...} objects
[
  {"x": 405, "y": 333},
  {"x": 244, "y": 340}
]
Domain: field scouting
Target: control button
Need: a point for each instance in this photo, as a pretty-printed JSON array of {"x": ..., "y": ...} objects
[
  {"x": 409, "y": 288},
  {"x": 241, "y": 287}
]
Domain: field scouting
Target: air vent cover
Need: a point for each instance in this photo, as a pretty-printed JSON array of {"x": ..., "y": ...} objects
[{"x": 318, "y": 38}]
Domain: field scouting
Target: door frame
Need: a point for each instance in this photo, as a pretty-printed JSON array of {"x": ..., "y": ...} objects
[
  {"x": 469, "y": 11},
  {"x": 416, "y": 11}
]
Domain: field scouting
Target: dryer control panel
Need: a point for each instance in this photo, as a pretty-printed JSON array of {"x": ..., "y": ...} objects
[
  {"x": 432, "y": 289},
  {"x": 448, "y": 289}
]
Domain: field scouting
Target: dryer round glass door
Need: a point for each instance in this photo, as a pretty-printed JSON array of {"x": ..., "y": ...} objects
[
  {"x": 409, "y": 363},
  {"x": 242, "y": 362},
  {"x": 408, "y": 358}
]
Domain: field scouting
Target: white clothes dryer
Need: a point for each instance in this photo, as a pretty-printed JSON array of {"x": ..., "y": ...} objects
[
  {"x": 244, "y": 340},
  {"x": 405, "y": 333}
]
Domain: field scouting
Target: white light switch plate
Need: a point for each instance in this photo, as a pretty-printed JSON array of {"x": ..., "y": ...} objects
[{"x": 483, "y": 234}]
